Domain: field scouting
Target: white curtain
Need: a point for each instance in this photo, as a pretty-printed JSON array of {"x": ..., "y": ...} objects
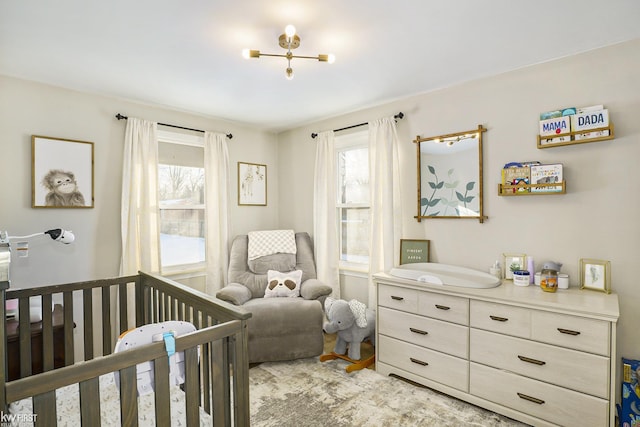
[
  {"x": 216, "y": 172},
  {"x": 386, "y": 208},
  {"x": 139, "y": 207},
  {"x": 325, "y": 227}
]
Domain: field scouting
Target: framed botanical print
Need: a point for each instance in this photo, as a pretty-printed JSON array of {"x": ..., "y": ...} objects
[
  {"x": 595, "y": 275},
  {"x": 62, "y": 173},
  {"x": 252, "y": 184},
  {"x": 513, "y": 262}
]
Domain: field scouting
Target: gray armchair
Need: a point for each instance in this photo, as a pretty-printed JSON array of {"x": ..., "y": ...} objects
[{"x": 280, "y": 328}]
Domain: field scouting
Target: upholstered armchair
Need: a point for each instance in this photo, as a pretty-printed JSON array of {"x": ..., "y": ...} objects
[{"x": 281, "y": 327}]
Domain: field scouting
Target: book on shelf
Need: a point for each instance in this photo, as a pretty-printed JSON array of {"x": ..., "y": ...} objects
[
  {"x": 587, "y": 120},
  {"x": 549, "y": 128},
  {"x": 546, "y": 174},
  {"x": 517, "y": 176},
  {"x": 590, "y": 135},
  {"x": 558, "y": 113}
]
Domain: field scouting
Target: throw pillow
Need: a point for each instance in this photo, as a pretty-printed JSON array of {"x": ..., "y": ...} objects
[{"x": 283, "y": 284}]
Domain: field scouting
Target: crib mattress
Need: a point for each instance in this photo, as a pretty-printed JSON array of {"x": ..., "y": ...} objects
[{"x": 68, "y": 406}]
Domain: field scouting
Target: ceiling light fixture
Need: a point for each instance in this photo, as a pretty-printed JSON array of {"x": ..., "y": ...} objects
[{"x": 289, "y": 40}]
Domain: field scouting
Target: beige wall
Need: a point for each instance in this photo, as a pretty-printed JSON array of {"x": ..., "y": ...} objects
[
  {"x": 28, "y": 108},
  {"x": 597, "y": 218}
]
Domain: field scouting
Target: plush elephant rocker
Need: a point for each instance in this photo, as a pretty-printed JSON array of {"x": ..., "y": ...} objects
[{"x": 353, "y": 322}]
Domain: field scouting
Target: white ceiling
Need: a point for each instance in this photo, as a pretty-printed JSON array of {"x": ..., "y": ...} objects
[{"x": 186, "y": 55}]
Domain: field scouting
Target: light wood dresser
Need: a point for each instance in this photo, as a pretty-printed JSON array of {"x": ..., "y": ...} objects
[{"x": 542, "y": 358}]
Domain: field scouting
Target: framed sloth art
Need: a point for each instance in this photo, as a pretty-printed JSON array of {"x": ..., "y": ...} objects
[{"x": 62, "y": 173}]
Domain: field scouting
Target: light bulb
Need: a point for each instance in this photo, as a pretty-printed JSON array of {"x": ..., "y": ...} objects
[
  {"x": 245, "y": 53},
  {"x": 289, "y": 73},
  {"x": 290, "y": 30},
  {"x": 331, "y": 58}
]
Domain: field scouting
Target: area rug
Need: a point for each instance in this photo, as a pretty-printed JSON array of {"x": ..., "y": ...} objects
[{"x": 308, "y": 392}]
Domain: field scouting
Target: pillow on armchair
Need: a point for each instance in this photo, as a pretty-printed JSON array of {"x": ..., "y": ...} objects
[{"x": 283, "y": 284}]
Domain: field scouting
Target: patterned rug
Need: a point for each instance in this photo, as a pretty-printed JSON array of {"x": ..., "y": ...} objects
[{"x": 308, "y": 392}]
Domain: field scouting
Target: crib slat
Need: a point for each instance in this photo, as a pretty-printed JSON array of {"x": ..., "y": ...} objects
[
  {"x": 220, "y": 388},
  {"x": 192, "y": 386},
  {"x": 167, "y": 307},
  {"x": 206, "y": 376},
  {"x": 106, "y": 320},
  {"x": 128, "y": 397},
  {"x": 241, "y": 378},
  {"x": 122, "y": 296},
  {"x": 87, "y": 305},
  {"x": 161, "y": 379},
  {"x": 45, "y": 406},
  {"x": 47, "y": 334},
  {"x": 180, "y": 311},
  {"x": 69, "y": 355},
  {"x": 90, "y": 402},
  {"x": 24, "y": 327}
]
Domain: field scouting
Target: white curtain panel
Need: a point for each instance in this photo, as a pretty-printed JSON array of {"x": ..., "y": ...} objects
[
  {"x": 140, "y": 241},
  {"x": 386, "y": 207},
  {"x": 139, "y": 204},
  {"x": 216, "y": 172},
  {"x": 325, "y": 226}
]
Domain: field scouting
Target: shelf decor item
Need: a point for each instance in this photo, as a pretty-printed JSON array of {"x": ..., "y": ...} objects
[
  {"x": 412, "y": 251},
  {"x": 574, "y": 126},
  {"x": 513, "y": 262},
  {"x": 546, "y": 174},
  {"x": 595, "y": 275},
  {"x": 252, "y": 184},
  {"x": 61, "y": 173}
]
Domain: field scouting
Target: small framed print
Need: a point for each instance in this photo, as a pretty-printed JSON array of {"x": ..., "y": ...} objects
[
  {"x": 412, "y": 251},
  {"x": 252, "y": 184},
  {"x": 595, "y": 275},
  {"x": 513, "y": 262},
  {"x": 61, "y": 173}
]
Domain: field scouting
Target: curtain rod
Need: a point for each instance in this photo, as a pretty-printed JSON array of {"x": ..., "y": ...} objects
[
  {"x": 398, "y": 116},
  {"x": 121, "y": 117}
]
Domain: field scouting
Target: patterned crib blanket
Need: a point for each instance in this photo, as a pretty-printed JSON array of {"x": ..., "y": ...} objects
[{"x": 269, "y": 242}]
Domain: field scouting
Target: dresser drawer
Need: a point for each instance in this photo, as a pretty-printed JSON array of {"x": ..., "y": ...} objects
[
  {"x": 444, "y": 307},
  {"x": 548, "y": 402},
  {"x": 583, "y": 372},
  {"x": 439, "y": 367},
  {"x": 425, "y": 332},
  {"x": 501, "y": 318},
  {"x": 571, "y": 331},
  {"x": 398, "y": 298}
]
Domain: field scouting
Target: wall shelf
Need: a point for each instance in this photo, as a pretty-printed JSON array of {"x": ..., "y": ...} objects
[
  {"x": 573, "y": 135},
  {"x": 508, "y": 189}
]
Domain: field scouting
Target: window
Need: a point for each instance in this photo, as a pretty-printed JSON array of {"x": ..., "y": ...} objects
[
  {"x": 353, "y": 198},
  {"x": 181, "y": 198}
]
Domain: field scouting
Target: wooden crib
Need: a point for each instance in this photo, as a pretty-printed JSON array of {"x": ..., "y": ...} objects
[{"x": 215, "y": 355}]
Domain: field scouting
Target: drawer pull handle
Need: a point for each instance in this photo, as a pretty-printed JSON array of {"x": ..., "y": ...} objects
[
  {"x": 498, "y": 319},
  {"x": 530, "y": 399},
  {"x": 442, "y": 307},
  {"x": 418, "y": 331},
  {"x": 529, "y": 360},
  {"x": 419, "y": 362},
  {"x": 396, "y": 298},
  {"x": 568, "y": 331}
]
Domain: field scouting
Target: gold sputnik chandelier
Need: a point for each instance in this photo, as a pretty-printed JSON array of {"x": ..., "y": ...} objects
[{"x": 289, "y": 41}]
